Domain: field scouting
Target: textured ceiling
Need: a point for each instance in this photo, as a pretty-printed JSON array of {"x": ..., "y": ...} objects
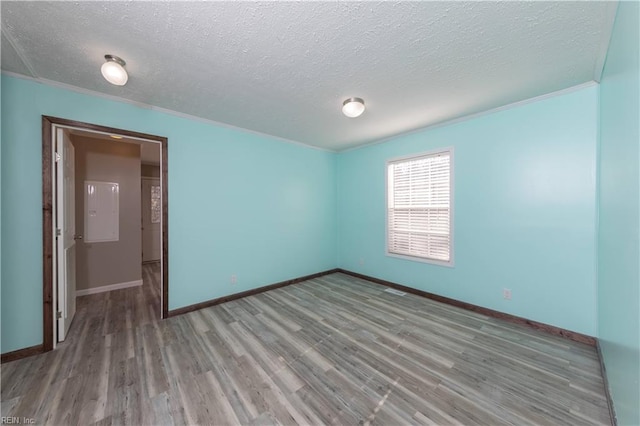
[{"x": 284, "y": 68}]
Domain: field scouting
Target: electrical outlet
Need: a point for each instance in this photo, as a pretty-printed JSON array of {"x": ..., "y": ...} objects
[
  {"x": 506, "y": 293},
  {"x": 234, "y": 279},
  {"x": 361, "y": 261}
]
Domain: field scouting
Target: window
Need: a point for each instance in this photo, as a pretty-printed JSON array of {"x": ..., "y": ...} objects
[
  {"x": 155, "y": 204},
  {"x": 419, "y": 197}
]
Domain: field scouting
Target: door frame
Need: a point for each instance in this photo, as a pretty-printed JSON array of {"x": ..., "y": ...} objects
[{"x": 48, "y": 204}]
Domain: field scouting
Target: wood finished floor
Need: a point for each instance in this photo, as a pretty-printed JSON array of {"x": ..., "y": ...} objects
[{"x": 333, "y": 350}]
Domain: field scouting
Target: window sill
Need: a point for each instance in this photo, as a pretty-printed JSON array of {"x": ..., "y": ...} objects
[{"x": 449, "y": 264}]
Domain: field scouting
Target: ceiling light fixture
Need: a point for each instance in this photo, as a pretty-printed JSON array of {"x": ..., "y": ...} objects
[
  {"x": 116, "y": 136},
  {"x": 353, "y": 107},
  {"x": 113, "y": 70}
]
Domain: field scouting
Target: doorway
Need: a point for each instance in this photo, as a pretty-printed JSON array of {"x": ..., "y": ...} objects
[{"x": 58, "y": 233}]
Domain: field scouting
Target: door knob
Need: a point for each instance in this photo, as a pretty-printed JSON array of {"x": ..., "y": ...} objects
[{"x": 77, "y": 237}]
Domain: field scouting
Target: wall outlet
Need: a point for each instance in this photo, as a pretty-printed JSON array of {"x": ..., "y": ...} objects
[
  {"x": 506, "y": 293},
  {"x": 234, "y": 279},
  {"x": 361, "y": 261}
]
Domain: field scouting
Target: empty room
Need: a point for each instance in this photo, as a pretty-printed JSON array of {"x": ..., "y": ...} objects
[{"x": 350, "y": 213}]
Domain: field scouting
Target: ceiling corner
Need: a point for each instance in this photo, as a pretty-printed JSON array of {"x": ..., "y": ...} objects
[
  {"x": 16, "y": 59},
  {"x": 609, "y": 19}
]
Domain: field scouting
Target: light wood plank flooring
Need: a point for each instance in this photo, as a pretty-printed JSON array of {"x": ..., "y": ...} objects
[{"x": 333, "y": 350}]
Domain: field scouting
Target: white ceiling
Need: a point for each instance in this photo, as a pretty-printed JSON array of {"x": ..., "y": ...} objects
[{"x": 284, "y": 68}]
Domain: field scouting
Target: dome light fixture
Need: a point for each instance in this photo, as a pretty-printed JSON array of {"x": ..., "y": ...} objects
[
  {"x": 353, "y": 107},
  {"x": 113, "y": 70}
]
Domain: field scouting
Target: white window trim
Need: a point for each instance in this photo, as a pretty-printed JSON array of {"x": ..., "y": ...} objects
[{"x": 451, "y": 262}]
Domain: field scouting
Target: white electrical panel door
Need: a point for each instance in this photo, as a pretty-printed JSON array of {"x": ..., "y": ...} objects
[{"x": 101, "y": 214}]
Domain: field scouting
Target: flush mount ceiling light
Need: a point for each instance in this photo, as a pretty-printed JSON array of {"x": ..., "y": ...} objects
[
  {"x": 113, "y": 70},
  {"x": 353, "y": 107}
]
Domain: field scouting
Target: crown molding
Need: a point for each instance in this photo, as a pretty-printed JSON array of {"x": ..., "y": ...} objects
[
  {"x": 142, "y": 105},
  {"x": 477, "y": 115}
]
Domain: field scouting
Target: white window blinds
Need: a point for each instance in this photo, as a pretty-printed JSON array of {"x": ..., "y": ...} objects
[{"x": 419, "y": 207}]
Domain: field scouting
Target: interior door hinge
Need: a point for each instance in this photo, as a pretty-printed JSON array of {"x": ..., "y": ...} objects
[
  {"x": 58, "y": 232},
  {"x": 58, "y": 315},
  {"x": 57, "y": 157}
]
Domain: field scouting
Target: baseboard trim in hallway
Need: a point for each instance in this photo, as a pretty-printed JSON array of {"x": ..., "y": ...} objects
[
  {"x": 22, "y": 353},
  {"x": 223, "y": 299},
  {"x": 108, "y": 287},
  {"x": 568, "y": 334}
]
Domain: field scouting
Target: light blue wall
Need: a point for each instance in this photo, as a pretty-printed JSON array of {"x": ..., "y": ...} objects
[
  {"x": 0, "y": 210},
  {"x": 524, "y": 211},
  {"x": 239, "y": 203},
  {"x": 619, "y": 215}
]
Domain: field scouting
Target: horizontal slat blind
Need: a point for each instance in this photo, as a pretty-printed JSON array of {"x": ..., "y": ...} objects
[{"x": 419, "y": 207}]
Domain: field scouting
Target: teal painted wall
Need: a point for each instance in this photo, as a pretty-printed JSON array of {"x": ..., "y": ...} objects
[
  {"x": 619, "y": 215},
  {"x": 0, "y": 212},
  {"x": 239, "y": 203},
  {"x": 524, "y": 203}
]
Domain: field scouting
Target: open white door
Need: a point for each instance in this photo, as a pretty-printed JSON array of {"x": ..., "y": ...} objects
[{"x": 66, "y": 233}]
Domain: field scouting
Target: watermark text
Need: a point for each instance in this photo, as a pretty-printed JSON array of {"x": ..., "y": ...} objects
[{"x": 14, "y": 420}]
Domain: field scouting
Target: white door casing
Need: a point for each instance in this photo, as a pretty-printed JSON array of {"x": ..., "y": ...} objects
[{"x": 66, "y": 234}]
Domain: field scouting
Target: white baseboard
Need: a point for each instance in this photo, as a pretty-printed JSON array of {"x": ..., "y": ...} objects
[{"x": 109, "y": 287}]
